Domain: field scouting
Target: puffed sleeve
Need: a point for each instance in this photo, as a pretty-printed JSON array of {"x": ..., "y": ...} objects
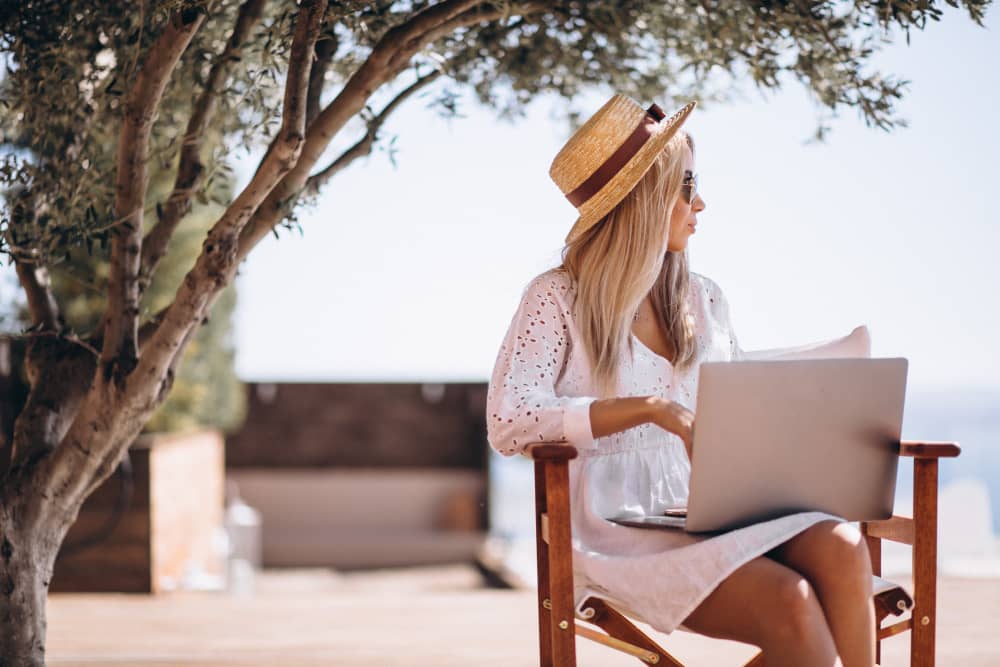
[{"x": 522, "y": 406}]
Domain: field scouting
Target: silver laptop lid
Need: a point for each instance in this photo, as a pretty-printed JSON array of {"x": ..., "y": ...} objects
[{"x": 776, "y": 437}]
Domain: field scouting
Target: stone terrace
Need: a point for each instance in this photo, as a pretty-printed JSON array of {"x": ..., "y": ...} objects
[{"x": 436, "y": 617}]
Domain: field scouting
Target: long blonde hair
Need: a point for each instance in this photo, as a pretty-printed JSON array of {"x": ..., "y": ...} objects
[{"x": 624, "y": 257}]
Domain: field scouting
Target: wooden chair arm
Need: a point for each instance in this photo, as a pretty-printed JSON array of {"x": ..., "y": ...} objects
[
  {"x": 550, "y": 451},
  {"x": 929, "y": 450}
]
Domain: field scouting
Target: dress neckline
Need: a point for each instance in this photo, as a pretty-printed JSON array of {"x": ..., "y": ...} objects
[{"x": 650, "y": 351}]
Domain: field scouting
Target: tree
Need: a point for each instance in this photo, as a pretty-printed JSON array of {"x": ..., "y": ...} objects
[
  {"x": 206, "y": 391},
  {"x": 85, "y": 78}
]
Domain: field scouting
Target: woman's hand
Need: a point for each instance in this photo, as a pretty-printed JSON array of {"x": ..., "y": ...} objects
[{"x": 673, "y": 417}]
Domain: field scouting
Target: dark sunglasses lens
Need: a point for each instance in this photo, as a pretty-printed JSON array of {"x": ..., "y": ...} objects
[{"x": 690, "y": 188}]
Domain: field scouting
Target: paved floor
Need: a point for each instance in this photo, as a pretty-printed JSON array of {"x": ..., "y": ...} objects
[{"x": 434, "y": 617}]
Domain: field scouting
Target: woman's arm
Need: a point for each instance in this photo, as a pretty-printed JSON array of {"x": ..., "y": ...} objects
[
  {"x": 522, "y": 406},
  {"x": 612, "y": 415}
]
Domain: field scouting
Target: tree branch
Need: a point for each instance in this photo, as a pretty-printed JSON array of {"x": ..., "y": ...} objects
[
  {"x": 410, "y": 44},
  {"x": 218, "y": 259},
  {"x": 119, "y": 349},
  {"x": 190, "y": 171},
  {"x": 405, "y": 35},
  {"x": 31, "y": 272},
  {"x": 325, "y": 50},
  {"x": 42, "y": 302},
  {"x": 149, "y": 328},
  {"x": 389, "y": 57},
  {"x": 364, "y": 146}
]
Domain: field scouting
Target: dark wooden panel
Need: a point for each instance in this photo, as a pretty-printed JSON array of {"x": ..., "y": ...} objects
[
  {"x": 362, "y": 425},
  {"x": 107, "y": 494},
  {"x": 132, "y": 526},
  {"x": 125, "y": 569},
  {"x": 121, "y": 560}
]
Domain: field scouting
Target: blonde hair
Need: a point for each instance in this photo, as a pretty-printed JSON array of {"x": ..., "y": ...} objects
[{"x": 624, "y": 257}]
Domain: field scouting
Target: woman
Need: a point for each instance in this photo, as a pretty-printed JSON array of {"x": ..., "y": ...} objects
[{"x": 603, "y": 353}]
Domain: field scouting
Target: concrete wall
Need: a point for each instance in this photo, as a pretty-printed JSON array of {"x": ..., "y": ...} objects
[{"x": 363, "y": 518}]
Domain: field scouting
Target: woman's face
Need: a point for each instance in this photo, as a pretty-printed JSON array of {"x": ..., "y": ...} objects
[{"x": 684, "y": 216}]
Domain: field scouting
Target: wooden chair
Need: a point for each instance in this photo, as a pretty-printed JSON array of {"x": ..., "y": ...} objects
[{"x": 557, "y": 622}]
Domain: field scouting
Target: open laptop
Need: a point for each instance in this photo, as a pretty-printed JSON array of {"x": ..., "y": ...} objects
[{"x": 777, "y": 437}]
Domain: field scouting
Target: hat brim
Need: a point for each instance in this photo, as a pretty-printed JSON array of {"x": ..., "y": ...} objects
[{"x": 614, "y": 191}]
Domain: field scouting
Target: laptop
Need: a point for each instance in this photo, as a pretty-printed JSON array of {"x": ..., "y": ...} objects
[{"x": 773, "y": 438}]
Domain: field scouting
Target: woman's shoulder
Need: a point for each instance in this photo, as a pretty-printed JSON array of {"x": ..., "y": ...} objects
[
  {"x": 548, "y": 297},
  {"x": 706, "y": 291},
  {"x": 556, "y": 282},
  {"x": 705, "y": 285}
]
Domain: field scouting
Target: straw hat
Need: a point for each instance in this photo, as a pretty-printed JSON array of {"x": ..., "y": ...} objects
[{"x": 609, "y": 154}]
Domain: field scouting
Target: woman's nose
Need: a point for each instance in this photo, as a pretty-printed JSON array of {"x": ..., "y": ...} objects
[{"x": 699, "y": 203}]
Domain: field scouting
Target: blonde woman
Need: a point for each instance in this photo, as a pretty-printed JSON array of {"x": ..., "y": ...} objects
[{"x": 603, "y": 353}]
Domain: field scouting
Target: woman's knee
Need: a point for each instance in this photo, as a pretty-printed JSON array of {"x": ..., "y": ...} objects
[
  {"x": 795, "y": 615},
  {"x": 847, "y": 561},
  {"x": 832, "y": 555}
]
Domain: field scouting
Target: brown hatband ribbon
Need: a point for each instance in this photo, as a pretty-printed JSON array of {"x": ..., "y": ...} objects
[{"x": 618, "y": 159}]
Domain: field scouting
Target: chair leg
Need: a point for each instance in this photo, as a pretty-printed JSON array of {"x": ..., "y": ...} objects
[
  {"x": 545, "y": 658},
  {"x": 560, "y": 564},
  {"x": 619, "y": 627},
  {"x": 875, "y": 553},
  {"x": 925, "y": 487}
]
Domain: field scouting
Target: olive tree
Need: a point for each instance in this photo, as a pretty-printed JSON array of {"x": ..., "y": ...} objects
[{"x": 94, "y": 93}]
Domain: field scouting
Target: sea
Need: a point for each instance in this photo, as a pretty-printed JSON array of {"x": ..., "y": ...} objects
[{"x": 968, "y": 502}]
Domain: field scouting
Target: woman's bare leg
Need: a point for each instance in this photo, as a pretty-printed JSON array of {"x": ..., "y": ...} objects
[
  {"x": 833, "y": 556},
  {"x": 772, "y": 606}
]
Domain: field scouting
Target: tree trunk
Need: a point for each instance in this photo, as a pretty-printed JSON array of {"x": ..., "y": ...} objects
[{"x": 26, "y": 560}]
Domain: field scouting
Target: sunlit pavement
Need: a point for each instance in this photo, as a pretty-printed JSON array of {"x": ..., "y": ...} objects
[{"x": 429, "y": 616}]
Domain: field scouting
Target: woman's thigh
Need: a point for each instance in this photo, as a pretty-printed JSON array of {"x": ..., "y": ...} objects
[{"x": 763, "y": 602}]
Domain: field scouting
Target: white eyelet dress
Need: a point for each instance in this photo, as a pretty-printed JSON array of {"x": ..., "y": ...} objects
[{"x": 541, "y": 391}]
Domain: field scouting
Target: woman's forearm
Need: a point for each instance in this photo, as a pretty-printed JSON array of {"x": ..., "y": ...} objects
[{"x": 613, "y": 415}]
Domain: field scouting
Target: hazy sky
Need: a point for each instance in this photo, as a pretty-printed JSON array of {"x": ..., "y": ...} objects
[{"x": 413, "y": 273}]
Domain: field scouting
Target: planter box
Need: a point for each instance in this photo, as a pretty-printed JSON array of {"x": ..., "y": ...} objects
[{"x": 168, "y": 528}]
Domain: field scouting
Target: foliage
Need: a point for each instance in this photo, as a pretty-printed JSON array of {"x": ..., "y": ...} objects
[
  {"x": 206, "y": 391},
  {"x": 75, "y": 59}
]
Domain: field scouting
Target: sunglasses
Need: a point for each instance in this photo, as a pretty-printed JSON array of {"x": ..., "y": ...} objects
[{"x": 689, "y": 186}]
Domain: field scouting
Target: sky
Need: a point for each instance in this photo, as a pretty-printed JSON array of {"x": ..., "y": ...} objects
[{"x": 413, "y": 272}]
